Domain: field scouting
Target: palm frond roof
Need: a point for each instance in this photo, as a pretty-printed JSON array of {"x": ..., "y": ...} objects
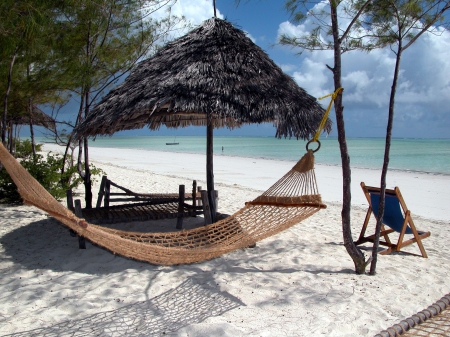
[{"x": 215, "y": 71}]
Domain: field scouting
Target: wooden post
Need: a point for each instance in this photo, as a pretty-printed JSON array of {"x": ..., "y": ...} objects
[
  {"x": 216, "y": 199},
  {"x": 194, "y": 196},
  {"x": 69, "y": 196},
  {"x": 79, "y": 213},
  {"x": 71, "y": 208},
  {"x": 199, "y": 201},
  {"x": 107, "y": 193},
  {"x": 209, "y": 165},
  {"x": 101, "y": 191},
  {"x": 212, "y": 205},
  {"x": 180, "y": 207},
  {"x": 206, "y": 208}
]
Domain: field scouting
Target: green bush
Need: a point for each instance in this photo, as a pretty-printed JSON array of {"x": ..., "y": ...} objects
[
  {"x": 8, "y": 190},
  {"x": 24, "y": 148},
  {"x": 47, "y": 171}
]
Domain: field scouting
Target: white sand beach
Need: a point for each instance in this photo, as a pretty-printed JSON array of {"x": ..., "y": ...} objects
[{"x": 300, "y": 282}]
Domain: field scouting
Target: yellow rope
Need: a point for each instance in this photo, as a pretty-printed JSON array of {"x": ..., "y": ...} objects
[{"x": 325, "y": 116}]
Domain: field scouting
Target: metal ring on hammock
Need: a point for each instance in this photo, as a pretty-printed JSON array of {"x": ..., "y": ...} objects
[{"x": 312, "y": 141}]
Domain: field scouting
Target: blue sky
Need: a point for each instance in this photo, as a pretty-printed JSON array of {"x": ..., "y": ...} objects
[{"x": 423, "y": 96}]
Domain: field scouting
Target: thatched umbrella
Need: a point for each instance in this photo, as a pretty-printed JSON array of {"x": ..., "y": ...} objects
[
  {"x": 33, "y": 116},
  {"x": 214, "y": 76},
  {"x": 22, "y": 115},
  {"x": 37, "y": 117}
]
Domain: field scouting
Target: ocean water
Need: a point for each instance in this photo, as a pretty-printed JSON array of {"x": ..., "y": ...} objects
[{"x": 419, "y": 155}]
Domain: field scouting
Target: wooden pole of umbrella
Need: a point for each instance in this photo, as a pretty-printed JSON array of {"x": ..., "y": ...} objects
[
  {"x": 209, "y": 157},
  {"x": 209, "y": 167}
]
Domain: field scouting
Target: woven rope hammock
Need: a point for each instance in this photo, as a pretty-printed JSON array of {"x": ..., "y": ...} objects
[{"x": 290, "y": 200}]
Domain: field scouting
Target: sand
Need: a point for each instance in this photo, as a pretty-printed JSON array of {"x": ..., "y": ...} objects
[{"x": 300, "y": 282}]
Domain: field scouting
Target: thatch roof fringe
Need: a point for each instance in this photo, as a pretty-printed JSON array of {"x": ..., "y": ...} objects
[
  {"x": 38, "y": 117},
  {"x": 214, "y": 69}
]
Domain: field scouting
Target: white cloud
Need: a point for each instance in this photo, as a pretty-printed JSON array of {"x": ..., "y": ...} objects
[
  {"x": 194, "y": 11},
  {"x": 288, "y": 68},
  {"x": 423, "y": 89},
  {"x": 250, "y": 36},
  {"x": 313, "y": 77},
  {"x": 289, "y": 29}
]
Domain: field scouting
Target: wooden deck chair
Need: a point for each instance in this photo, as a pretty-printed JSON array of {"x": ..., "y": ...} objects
[{"x": 396, "y": 216}]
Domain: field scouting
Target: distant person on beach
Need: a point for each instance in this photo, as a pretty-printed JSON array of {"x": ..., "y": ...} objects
[{"x": 222, "y": 148}]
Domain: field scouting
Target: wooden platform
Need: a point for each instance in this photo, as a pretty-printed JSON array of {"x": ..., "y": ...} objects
[
  {"x": 133, "y": 212},
  {"x": 141, "y": 207}
]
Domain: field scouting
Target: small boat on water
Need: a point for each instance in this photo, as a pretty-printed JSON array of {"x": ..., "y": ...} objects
[{"x": 174, "y": 142}]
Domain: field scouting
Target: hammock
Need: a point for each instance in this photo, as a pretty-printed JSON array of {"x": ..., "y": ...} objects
[{"x": 290, "y": 200}]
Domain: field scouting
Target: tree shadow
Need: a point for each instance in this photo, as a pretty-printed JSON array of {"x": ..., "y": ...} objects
[
  {"x": 325, "y": 271},
  {"x": 189, "y": 303},
  {"x": 47, "y": 245}
]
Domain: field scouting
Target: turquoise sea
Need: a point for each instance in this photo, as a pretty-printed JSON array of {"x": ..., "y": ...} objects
[{"x": 419, "y": 155}]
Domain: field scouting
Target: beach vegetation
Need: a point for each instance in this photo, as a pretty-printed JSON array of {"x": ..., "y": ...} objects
[
  {"x": 30, "y": 67},
  {"x": 27, "y": 62},
  {"x": 46, "y": 169},
  {"x": 24, "y": 148}
]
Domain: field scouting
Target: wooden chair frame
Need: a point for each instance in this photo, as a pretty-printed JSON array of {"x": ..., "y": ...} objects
[{"x": 408, "y": 221}]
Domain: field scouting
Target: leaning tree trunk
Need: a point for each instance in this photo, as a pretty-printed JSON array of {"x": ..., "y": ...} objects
[
  {"x": 356, "y": 255},
  {"x": 63, "y": 167},
  {"x": 376, "y": 242},
  {"x": 87, "y": 171},
  {"x": 78, "y": 121},
  {"x": 81, "y": 146},
  {"x": 87, "y": 176}
]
